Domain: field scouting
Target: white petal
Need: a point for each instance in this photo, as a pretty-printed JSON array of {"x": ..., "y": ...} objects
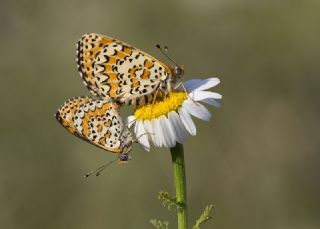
[
  {"x": 211, "y": 102},
  {"x": 155, "y": 131},
  {"x": 198, "y": 84},
  {"x": 192, "y": 84},
  {"x": 168, "y": 132},
  {"x": 141, "y": 136},
  {"x": 164, "y": 132},
  {"x": 200, "y": 95},
  {"x": 130, "y": 120},
  {"x": 197, "y": 110},
  {"x": 180, "y": 130},
  {"x": 158, "y": 135},
  {"x": 208, "y": 83},
  {"x": 149, "y": 129},
  {"x": 135, "y": 129},
  {"x": 187, "y": 121}
]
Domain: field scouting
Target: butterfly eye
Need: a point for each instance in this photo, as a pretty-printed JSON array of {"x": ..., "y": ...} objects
[
  {"x": 124, "y": 157},
  {"x": 178, "y": 71}
]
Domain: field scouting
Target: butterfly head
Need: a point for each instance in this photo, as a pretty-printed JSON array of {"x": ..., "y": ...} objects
[
  {"x": 124, "y": 158},
  {"x": 178, "y": 71}
]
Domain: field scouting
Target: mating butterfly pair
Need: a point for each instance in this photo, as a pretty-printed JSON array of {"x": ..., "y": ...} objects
[{"x": 116, "y": 73}]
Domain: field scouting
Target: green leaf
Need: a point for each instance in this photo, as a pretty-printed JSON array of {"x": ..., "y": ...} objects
[
  {"x": 203, "y": 217},
  {"x": 159, "y": 224},
  {"x": 169, "y": 202}
]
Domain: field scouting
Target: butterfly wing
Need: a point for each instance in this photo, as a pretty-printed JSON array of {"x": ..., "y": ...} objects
[
  {"x": 66, "y": 112},
  {"x": 98, "y": 122},
  {"x": 114, "y": 70}
]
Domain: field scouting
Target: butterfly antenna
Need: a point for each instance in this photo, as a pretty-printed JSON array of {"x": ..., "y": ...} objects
[
  {"x": 165, "y": 52},
  {"x": 100, "y": 169}
]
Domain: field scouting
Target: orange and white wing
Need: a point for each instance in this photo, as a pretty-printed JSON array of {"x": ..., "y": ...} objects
[
  {"x": 66, "y": 112},
  {"x": 116, "y": 71},
  {"x": 98, "y": 122}
]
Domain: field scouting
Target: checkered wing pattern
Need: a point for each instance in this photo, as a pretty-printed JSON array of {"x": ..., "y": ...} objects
[
  {"x": 116, "y": 71},
  {"x": 97, "y": 122}
]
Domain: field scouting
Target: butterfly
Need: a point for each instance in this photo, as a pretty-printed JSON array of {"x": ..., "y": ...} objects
[
  {"x": 115, "y": 71},
  {"x": 97, "y": 122}
]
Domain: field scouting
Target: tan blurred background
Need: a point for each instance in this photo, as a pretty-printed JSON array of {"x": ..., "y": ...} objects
[{"x": 257, "y": 161}]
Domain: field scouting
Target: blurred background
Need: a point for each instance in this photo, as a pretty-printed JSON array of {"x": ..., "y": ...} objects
[{"x": 257, "y": 161}]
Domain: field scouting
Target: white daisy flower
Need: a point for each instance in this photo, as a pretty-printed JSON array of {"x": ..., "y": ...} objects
[{"x": 169, "y": 121}]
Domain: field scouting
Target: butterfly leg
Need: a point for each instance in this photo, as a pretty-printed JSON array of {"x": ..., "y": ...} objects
[
  {"x": 185, "y": 90},
  {"x": 163, "y": 94},
  {"x": 137, "y": 139},
  {"x": 155, "y": 96},
  {"x": 130, "y": 123}
]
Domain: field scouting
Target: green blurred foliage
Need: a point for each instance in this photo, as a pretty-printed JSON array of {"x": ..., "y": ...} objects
[{"x": 258, "y": 160}]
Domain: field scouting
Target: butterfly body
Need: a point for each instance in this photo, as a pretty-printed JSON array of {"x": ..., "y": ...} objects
[{"x": 116, "y": 71}]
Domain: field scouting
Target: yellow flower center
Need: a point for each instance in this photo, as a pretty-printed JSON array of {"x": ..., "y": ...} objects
[{"x": 170, "y": 103}]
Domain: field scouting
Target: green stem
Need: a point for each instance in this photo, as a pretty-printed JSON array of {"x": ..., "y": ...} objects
[{"x": 180, "y": 184}]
